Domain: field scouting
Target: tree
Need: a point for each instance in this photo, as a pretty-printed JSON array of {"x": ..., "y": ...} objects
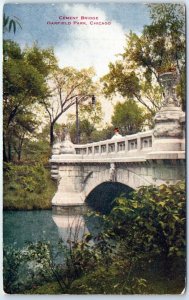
[
  {"x": 43, "y": 60},
  {"x": 160, "y": 48},
  {"x": 21, "y": 129},
  {"x": 168, "y": 24},
  {"x": 20, "y": 94},
  {"x": 86, "y": 130},
  {"x": 128, "y": 117},
  {"x": 103, "y": 134},
  {"x": 129, "y": 81},
  {"x": 90, "y": 116},
  {"x": 10, "y": 23},
  {"x": 66, "y": 85}
]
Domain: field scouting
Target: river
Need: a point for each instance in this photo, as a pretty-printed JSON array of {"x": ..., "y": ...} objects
[{"x": 20, "y": 227}]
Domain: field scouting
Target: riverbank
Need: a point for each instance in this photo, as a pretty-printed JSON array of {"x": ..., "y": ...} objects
[
  {"x": 27, "y": 187},
  {"x": 140, "y": 249},
  {"x": 151, "y": 279}
]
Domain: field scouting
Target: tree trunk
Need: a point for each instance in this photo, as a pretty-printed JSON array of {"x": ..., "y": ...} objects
[
  {"x": 21, "y": 141},
  {"x": 19, "y": 154},
  {"x": 9, "y": 151},
  {"x": 51, "y": 134},
  {"x": 5, "y": 158}
]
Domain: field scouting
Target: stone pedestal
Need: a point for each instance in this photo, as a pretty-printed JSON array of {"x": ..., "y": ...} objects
[
  {"x": 67, "y": 147},
  {"x": 168, "y": 129},
  {"x": 69, "y": 178}
]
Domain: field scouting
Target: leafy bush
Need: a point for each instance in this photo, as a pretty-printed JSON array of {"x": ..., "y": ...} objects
[
  {"x": 30, "y": 178},
  {"x": 153, "y": 221},
  {"x": 34, "y": 260}
]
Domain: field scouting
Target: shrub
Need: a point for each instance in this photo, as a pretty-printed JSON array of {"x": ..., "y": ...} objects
[
  {"x": 153, "y": 221},
  {"x": 27, "y": 187},
  {"x": 30, "y": 178},
  {"x": 23, "y": 269}
]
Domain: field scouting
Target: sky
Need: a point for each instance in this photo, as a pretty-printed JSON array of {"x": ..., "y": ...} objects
[{"x": 81, "y": 45}]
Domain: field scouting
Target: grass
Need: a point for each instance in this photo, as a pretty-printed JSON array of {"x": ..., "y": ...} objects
[{"x": 51, "y": 288}]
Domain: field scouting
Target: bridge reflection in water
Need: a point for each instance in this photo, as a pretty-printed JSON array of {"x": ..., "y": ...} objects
[
  {"x": 70, "y": 222},
  {"x": 74, "y": 222}
]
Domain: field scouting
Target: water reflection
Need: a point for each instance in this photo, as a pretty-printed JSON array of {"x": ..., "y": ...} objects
[{"x": 70, "y": 222}]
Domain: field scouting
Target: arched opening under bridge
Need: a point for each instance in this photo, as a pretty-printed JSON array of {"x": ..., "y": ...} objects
[{"x": 102, "y": 197}]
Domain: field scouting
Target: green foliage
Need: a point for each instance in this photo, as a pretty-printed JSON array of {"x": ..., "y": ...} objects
[
  {"x": 90, "y": 116},
  {"x": 160, "y": 48},
  {"x": 24, "y": 87},
  {"x": 10, "y": 23},
  {"x": 41, "y": 59},
  {"x": 167, "y": 36},
  {"x": 50, "y": 288},
  {"x": 27, "y": 82},
  {"x": 86, "y": 130},
  {"x": 11, "y": 50},
  {"x": 11, "y": 264},
  {"x": 30, "y": 178},
  {"x": 117, "y": 80},
  {"x": 36, "y": 151},
  {"x": 103, "y": 134},
  {"x": 128, "y": 117},
  {"x": 67, "y": 85},
  {"x": 140, "y": 249},
  {"x": 27, "y": 187},
  {"x": 103, "y": 282},
  {"x": 34, "y": 260},
  {"x": 153, "y": 221}
]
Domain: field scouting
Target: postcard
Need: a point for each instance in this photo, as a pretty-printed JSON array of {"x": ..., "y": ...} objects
[{"x": 94, "y": 101}]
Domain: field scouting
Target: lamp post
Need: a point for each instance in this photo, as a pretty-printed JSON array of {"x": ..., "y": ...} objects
[
  {"x": 93, "y": 98},
  {"x": 77, "y": 122}
]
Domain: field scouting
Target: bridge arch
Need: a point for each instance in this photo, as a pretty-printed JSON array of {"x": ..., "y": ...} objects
[
  {"x": 102, "y": 197},
  {"x": 125, "y": 176}
]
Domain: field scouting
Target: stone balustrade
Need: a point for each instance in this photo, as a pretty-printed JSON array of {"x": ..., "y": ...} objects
[{"x": 122, "y": 146}]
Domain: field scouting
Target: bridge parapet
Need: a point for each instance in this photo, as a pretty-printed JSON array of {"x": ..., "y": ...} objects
[
  {"x": 127, "y": 147},
  {"x": 132, "y": 148},
  {"x": 118, "y": 146}
]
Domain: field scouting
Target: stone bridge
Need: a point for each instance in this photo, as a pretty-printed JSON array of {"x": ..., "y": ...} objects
[{"x": 146, "y": 158}]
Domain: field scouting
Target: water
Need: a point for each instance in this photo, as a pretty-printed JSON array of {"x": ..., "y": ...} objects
[
  {"x": 47, "y": 225},
  {"x": 20, "y": 227}
]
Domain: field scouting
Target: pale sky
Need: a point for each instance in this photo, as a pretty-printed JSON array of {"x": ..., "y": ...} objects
[{"x": 79, "y": 46}]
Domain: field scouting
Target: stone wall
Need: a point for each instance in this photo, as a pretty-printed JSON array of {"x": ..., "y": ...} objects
[{"x": 77, "y": 181}]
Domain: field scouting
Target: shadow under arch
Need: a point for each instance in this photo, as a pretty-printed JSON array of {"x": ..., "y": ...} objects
[{"x": 102, "y": 197}]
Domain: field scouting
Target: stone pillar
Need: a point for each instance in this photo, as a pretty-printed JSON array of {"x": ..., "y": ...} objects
[
  {"x": 183, "y": 123},
  {"x": 168, "y": 132},
  {"x": 54, "y": 167},
  {"x": 67, "y": 147},
  {"x": 69, "y": 176}
]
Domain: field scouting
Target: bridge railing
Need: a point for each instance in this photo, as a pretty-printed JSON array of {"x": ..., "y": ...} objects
[{"x": 140, "y": 142}]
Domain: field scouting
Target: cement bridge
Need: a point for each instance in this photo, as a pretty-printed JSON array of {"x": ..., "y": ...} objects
[{"x": 146, "y": 158}]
